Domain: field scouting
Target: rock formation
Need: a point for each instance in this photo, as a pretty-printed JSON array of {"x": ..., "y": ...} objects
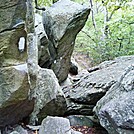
[
  {"x": 116, "y": 109},
  {"x": 62, "y": 22},
  {"x": 14, "y": 85},
  {"x": 49, "y": 98},
  {"x": 83, "y": 95},
  {"x": 27, "y": 90},
  {"x": 12, "y": 29},
  {"x": 42, "y": 42}
]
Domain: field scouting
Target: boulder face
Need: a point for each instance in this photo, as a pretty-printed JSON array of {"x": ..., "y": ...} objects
[
  {"x": 62, "y": 22},
  {"x": 12, "y": 32},
  {"x": 83, "y": 95},
  {"x": 116, "y": 109},
  {"x": 14, "y": 77},
  {"x": 49, "y": 98},
  {"x": 14, "y": 91}
]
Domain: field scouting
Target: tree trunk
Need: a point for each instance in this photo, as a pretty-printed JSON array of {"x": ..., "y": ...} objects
[{"x": 92, "y": 12}]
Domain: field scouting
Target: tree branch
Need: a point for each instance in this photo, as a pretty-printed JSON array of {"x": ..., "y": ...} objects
[
  {"x": 92, "y": 11},
  {"x": 115, "y": 9},
  {"x": 88, "y": 36}
]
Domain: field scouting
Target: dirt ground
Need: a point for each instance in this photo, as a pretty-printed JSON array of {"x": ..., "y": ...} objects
[{"x": 83, "y": 60}]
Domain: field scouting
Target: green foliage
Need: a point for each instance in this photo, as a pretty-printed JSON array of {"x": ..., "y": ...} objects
[
  {"x": 119, "y": 39},
  {"x": 50, "y": 2},
  {"x": 44, "y": 2}
]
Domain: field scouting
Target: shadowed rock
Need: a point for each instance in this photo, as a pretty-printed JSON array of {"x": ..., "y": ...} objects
[
  {"x": 14, "y": 92},
  {"x": 42, "y": 42},
  {"x": 73, "y": 69},
  {"x": 49, "y": 98}
]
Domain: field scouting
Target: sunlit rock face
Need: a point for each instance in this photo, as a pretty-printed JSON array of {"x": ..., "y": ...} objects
[
  {"x": 62, "y": 22},
  {"x": 14, "y": 91},
  {"x": 14, "y": 78}
]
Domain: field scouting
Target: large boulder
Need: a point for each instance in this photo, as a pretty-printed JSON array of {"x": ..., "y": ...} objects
[
  {"x": 116, "y": 109},
  {"x": 49, "y": 98},
  {"x": 14, "y": 91},
  {"x": 83, "y": 95},
  {"x": 13, "y": 46},
  {"x": 62, "y": 22},
  {"x": 15, "y": 103}
]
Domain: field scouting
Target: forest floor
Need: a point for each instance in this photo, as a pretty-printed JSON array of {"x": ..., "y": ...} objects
[{"x": 83, "y": 60}]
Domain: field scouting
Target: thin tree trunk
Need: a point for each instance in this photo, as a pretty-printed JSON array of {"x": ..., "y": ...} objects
[
  {"x": 106, "y": 19},
  {"x": 88, "y": 36},
  {"x": 92, "y": 12}
]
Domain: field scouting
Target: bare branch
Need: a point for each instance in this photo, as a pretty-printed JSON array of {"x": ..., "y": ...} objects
[
  {"x": 115, "y": 9},
  {"x": 92, "y": 11},
  {"x": 88, "y": 36}
]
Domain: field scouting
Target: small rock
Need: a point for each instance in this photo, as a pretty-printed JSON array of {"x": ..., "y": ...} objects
[
  {"x": 75, "y": 132},
  {"x": 73, "y": 69},
  {"x": 80, "y": 120},
  {"x": 33, "y": 127},
  {"x": 55, "y": 125}
]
